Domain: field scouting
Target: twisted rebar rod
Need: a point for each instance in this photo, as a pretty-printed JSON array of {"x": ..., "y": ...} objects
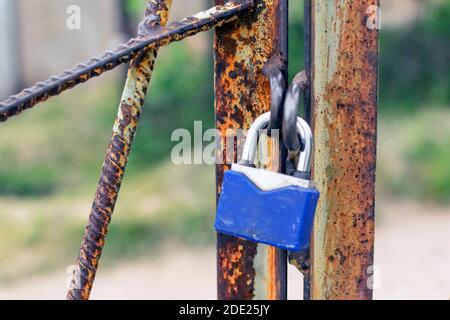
[
  {"x": 152, "y": 38},
  {"x": 130, "y": 108}
]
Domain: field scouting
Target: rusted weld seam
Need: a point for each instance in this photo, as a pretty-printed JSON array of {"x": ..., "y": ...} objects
[
  {"x": 115, "y": 162},
  {"x": 157, "y": 37}
]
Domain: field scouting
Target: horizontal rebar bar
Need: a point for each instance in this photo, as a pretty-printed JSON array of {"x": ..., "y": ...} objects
[{"x": 203, "y": 21}]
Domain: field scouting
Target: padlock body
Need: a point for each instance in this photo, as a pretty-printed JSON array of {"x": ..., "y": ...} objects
[{"x": 266, "y": 207}]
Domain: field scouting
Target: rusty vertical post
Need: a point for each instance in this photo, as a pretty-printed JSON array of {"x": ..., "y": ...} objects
[
  {"x": 307, "y": 57},
  {"x": 344, "y": 108},
  {"x": 301, "y": 260},
  {"x": 242, "y": 48}
]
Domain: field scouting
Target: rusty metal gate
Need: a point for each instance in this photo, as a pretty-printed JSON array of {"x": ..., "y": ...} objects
[{"x": 340, "y": 86}]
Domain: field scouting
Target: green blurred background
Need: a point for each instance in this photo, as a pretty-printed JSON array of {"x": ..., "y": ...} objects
[{"x": 50, "y": 158}]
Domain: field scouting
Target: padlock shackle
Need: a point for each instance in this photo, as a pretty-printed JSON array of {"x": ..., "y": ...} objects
[
  {"x": 251, "y": 141},
  {"x": 262, "y": 122},
  {"x": 306, "y": 138}
]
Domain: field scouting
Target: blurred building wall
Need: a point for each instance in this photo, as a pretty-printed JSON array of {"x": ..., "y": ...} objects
[
  {"x": 397, "y": 14},
  {"x": 36, "y": 43},
  {"x": 9, "y": 62},
  {"x": 48, "y": 46}
]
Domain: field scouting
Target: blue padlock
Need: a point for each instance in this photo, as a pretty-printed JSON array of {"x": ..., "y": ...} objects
[{"x": 269, "y": 207}]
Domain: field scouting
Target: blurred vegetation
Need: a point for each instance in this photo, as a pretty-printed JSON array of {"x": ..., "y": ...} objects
[
  {"x": 182, "y": 92},
  {"x": 414, "y": 156},
  {"x": 42, "y": 234},
  {"x": 50, "y": 158},
  {"x": 415, "y": 107},
  {"x": 134, "y": 8},
  {"x": 415, "y": 63}
]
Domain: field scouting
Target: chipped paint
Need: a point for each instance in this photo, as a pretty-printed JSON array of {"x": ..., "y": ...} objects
[{"x": 344, "y": 98}]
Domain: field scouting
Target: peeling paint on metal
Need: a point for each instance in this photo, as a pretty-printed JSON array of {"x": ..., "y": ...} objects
[{"x": 344, "y": 98}]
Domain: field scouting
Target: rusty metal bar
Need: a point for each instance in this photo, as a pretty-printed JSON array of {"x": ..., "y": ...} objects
[
  {"x": 124, "y": 53},
  {"x": 301, "y": 260},
  {"x": 270, "y": 263},
  {"x": 344, "y": 102},
  {"x": 299, "y": 87},
  {"x": 242, "y": 48},
  {"x": 307, "y": 58},
  {"x": 124, "y": 130}
]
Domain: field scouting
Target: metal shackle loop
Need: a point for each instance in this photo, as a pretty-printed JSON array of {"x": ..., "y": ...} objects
[
  {"x": 306, "y": 139},
  {"x": 251, "y": 141},
  {"x": 262, "y": 122}
]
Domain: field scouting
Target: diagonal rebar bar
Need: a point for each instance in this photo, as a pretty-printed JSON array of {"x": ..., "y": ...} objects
[
  {"x": 156, "y": 37},
  {"x": 124, "y": 130}
]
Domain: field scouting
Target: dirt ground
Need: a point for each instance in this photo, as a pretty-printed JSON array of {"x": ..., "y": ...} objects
[{"x": 412, "y": 256}]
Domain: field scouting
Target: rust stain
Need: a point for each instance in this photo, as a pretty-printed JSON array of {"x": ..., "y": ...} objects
[
  {"x": 270, "y": 262},
  {"x": 273, "y": 286},
  {"x": 344, "y": 70},
  {"x": 235, "y": 267},
  {"x": 242, "y": 94}
]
